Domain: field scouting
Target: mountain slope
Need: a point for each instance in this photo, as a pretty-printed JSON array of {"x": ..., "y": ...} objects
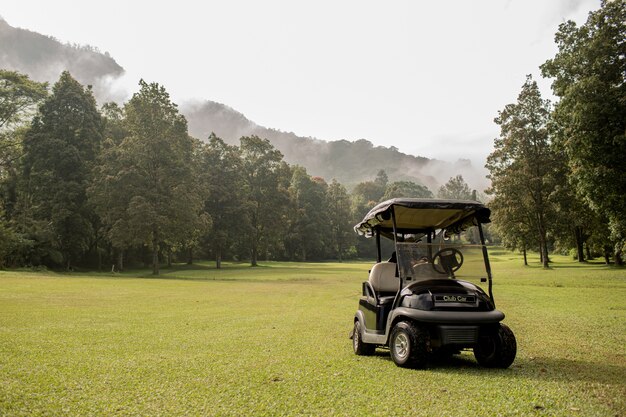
[
  {"x": 348, "y": 162},
  {"x": 43, "y": 58}
]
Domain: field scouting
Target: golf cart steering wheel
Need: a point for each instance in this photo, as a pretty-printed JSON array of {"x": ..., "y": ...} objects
[{"x": 447, "y": 261}]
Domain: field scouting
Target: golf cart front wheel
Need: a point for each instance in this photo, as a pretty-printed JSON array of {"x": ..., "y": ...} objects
[
  {"x": 496, "y": 349},
  {"x": 409, "y": 345},
  {"x": 361, "y": 348}
]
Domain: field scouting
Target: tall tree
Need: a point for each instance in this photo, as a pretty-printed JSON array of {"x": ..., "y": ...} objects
[
  {"x": 19, "y": 97},
  {"x": 221, "y": 176},
  {"x": 522, "y": 165},
  {"x": 59, "y": 152},
  {"x": 456, "y": 188},
  {"x": 339, "y": 217},
  {"x": 589, "y": 73},
  {"x": 266, "y": 180},
  {"x": 146, "y": 190},
  {"x": 307, "y": 226}
]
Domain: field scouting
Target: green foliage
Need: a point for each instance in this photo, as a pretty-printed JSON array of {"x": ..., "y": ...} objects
[
  {"x": 408, "y": 189},
  {"x": 456, "y": 188},
  {"x": 339, "y": 218},
  {"x": 523, "y": 169},
  {"x": 307, "y": 232},
  {"x": 588, "y": 73},
  {"x": 59, "y": 152},
  {"x": 221, "y": 176},
  {"x": 18, "y": 97},
  {"x": 146, "y": 190},
  {"x": 266, "y": 180}
]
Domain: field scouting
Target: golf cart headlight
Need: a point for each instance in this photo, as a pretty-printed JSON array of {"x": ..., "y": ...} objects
[{"x": 418, "y": 301}]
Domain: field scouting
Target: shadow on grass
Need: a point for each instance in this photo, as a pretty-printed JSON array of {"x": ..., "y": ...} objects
[{"x": 540, "y": 368}]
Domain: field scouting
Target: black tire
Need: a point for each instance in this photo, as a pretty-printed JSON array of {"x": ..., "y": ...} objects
[
  {"x": 409, "y": 345},
  {"x": 496, "y": 348},
  {"x": 361, "y": 348}
]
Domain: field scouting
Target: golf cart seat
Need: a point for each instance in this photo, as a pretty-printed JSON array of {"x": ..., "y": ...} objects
[{"x": 384, "y": 281}]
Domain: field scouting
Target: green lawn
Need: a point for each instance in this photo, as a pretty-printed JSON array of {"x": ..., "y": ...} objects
[{"x": 273, "y": 340}]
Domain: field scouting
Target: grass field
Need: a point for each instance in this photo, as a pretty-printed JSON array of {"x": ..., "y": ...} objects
[{"x": 273, "y": 340}]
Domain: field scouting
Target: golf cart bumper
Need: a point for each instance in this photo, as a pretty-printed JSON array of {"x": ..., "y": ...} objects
[
  {"x": 449, "y": 317},
  {"x": 452, "y": 328}
]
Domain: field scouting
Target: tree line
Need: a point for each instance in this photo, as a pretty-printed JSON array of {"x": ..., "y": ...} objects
[
  {"x": 558, "y": 172},
  {"x": 89, "y": 186},
  {"x": 127, "y": 185}
]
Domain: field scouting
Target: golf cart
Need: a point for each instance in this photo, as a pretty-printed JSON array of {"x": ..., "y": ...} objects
[{"x": 424, "y": 303}]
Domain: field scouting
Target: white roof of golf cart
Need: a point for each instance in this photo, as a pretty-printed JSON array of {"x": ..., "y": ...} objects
[{"x": 420, "y": 215}]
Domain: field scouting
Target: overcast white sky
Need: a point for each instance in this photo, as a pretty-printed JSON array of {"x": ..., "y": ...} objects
[{"x": 425, "y": 76}]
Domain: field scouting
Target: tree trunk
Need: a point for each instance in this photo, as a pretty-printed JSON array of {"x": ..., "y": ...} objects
[
  {"x": 618, "y": 254},
  {"x": 169, "y": 257},
  {"x": 588, "y": 251},
  {"x": 607, "y": 255},
  {"x": 253, "y": 256},
  {"x": 190, "y": 256},
  {"x": 525, "y": 256},
  {"x": 120, "y": 261},
  {"x": 543, "y": 249},
  {"x": 155, "y": 253},
  {"x": 99, "y": 259},
  {"x": 578, "y": 235},
  {"x": 218, "y": 259}
]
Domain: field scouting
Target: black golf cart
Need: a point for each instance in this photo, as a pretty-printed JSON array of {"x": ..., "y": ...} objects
[{"x": 424, "y": 302}]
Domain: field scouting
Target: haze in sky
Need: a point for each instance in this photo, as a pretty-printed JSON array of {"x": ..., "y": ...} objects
[{"x": 427, "y": 77}]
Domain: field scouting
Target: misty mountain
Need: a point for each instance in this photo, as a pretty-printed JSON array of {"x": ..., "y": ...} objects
[
  {"x": 43, "y": 58},
  {"x": 350, "y": 162}
]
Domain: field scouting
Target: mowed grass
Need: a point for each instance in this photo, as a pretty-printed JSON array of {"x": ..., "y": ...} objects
[{"x": 273, "y": 340}]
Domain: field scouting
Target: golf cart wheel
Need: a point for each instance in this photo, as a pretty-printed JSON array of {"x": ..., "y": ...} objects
[
  {"x": 361, "y": 348},
  {"x": 409, "y": 345},
  {"x": 496, "y": 349}
]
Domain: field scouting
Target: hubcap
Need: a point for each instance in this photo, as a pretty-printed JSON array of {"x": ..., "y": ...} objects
[{"x": 401, "y": 346}]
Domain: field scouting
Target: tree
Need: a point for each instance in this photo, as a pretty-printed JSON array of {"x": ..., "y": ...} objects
[
  {"x": 60, "y": 148},
  {"x": 307, "y": 226},
  {"x": 266, "y": 179},
  {"x": 339, "y": 219},
  {"x": 221, "y": 176},
  {"x": 146, "y": 190},
  {"x": 456, "y": 188},
  {"x": 522, "y": 167},
  {"x": 589, "y": 78},
  {"x": 19, "y": 97},
  {"x": 406, "y": 189}
]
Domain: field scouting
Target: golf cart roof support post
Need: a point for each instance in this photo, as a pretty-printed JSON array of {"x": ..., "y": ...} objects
[
  {"x": 487, "y": 264},
  {"x": 378, "y": 254},
  {"x": 396, "y": 300}
]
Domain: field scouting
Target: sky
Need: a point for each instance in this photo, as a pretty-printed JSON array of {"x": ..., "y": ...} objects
[{"x": 427, "y": 77}]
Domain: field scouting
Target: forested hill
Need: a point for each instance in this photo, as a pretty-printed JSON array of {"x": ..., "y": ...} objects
[
  {"x": 43, "y": 58},
  {"x": 349, "y": 162}
]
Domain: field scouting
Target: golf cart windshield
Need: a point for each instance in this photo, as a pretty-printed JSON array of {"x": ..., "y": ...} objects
[{"x": 419, "y": 261}]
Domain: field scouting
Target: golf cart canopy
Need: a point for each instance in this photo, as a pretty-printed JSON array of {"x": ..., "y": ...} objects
[{"x": 422, "y": 215}]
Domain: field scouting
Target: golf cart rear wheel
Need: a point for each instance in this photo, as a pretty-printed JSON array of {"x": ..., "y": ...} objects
[
  {"x": 496, "y": 349},
  {"x": 360, "y": 347},
  {"x": 409, "y": 345}
]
